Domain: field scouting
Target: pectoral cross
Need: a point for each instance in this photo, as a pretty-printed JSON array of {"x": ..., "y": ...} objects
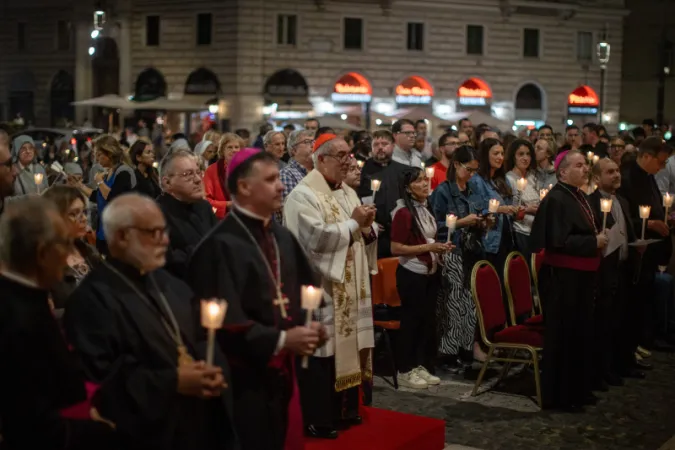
[{"x": 281, "y": 302}]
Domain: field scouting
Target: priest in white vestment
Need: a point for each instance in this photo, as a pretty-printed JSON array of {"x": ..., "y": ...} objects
[{"x": 338, "y": 234}]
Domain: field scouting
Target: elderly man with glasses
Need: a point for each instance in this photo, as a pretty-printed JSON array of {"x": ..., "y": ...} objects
[{"x": 300, "y": 144}]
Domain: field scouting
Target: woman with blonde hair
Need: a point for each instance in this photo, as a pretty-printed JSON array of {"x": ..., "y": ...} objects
[
  {"x": 215, "y": 178},
  {"x": 117, "y": 178}
]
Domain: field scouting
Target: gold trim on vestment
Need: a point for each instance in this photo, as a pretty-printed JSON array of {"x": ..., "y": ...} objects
[{"x": 348, "y": 381}]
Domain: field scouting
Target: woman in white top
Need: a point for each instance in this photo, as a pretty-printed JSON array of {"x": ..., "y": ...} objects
[
  {"x": 418, "y": 280},
  {"x": 521, "y": 164}
]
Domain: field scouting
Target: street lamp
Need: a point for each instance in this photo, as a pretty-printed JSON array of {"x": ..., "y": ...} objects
[{"x": 602, "y": 52}]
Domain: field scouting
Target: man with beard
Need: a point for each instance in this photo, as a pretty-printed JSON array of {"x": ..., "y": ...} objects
[
  {"x": 8, "y": 174},
  {"x": 131, "y": 323},
  {"x": 565, "y": 228},
  {"x": 188, "y": 215},
  {"x": 259, "y": 267},
  {"x": 447, "y": 144},
  {"x": 362, "y": 145},
  {"x": 615, "y": 308},
  {"x": 382, "y": 149}
]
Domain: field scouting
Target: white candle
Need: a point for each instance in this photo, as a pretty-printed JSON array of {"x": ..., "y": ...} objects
[
  {"x": 667, "y": 203},
  {"x": 155, "y": 164},
  {"x": 375, "y": 186},
  {"x": 605, "y": 207},
  {"x": 360, "y": 164},
  {"x": 423, "y": 165},
  {"x": 645, "y": 210},
  {"x": 310, "y": 298},
  {"x": 596, "y": 158},
  {"x": 521, "y": 184},
  {"x": 451, "y": 223},
  {"x": 493, "y": 205},
  {"x": 67, "y": 151},
  {"x": 430, "y": 174},
  {"x": 543, "y": 193},
  {"x": 550, "y": 186},
  {"x": 589, "y": 156},
  {"x": 212, "y": 314},
  {"x": 38, "y": 177}
]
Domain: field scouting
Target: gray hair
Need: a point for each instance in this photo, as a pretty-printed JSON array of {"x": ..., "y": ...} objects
[
  {"x": 167, "y": 162},
  {"x": 323, "y": 149},
  {"x": 565, "y": 162},
  {"x": 297, "y": 136},
  {"x": 267, "y": 139},
  {"x": 26, "y": 224},
  {"x": 122, "y": 213}
]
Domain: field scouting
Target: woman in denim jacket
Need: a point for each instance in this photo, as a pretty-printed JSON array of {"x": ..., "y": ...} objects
[
  {"x": 490, "y": 183},
  {"x": 456, "y": 311}
]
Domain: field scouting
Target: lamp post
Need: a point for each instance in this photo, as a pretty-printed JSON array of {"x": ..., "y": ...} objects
[{"x": 602, "y": 52}]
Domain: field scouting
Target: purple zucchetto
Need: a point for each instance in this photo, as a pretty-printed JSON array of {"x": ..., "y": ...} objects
[{"x": 240, "y": 157}]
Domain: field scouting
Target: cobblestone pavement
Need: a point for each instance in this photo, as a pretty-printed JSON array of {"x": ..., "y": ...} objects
[{"x": 639, "y": 415}]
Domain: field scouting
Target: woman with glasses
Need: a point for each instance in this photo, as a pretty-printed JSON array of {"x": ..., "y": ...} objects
[
  {"x": 456, "y": 311},
  {"x": 215, "y": 179},
  {"x": 72, "y": 205},
  {"x": 521, "y": 164},
  {"x": 413, "y": 240},
  {"x": 143, "y": 156}
]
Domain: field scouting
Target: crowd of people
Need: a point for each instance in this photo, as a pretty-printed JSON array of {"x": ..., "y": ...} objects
[{"x": 108, "y": 252}]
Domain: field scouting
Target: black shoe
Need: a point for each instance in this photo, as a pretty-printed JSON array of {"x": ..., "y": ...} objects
[
  {"x": 613, "y": 379},
  {"x": 351, "y": 421},
  {"x": 451, "y": 366},
  {"x": 321, "y": 432},
  {"x": 600, "y": 386},
  {"x": 643, "y": 365},
  {"x": 633, "y": 373}
]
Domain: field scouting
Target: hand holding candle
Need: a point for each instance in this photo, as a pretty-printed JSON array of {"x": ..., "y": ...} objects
[
  {"x": 667, "y": 203},
  {"x": 360, "y": 164},
  {"x": 310, "y": 297},
  {"x": 543, "y": 193},
  {"x": 430, "y": 174},
  {"x": 645, "y": 210},
  {"x": 451, "y": 222},
  {"x": 38, "y": 177},
  {"x": 212, "y": 314},
  {"x": 605, "y": 207},
  {"x": 375, "y": 186},
  {"x": 596, "y": 158},
  {"x": 493, "y": 206},
  {"x": 589, "y": 157}
]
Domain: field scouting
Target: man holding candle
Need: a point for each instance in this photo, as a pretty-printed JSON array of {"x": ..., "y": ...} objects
[
  {"x": 565, "y": 228},
  {"x": 382, "y": 148},
  {"x": 132, "y": 325},
  {"x": 614, "y": 308},
  {"x": 337, "y": 232},
  {"x": 639, "y": 187},
  {"x": 259, "y": 268}
]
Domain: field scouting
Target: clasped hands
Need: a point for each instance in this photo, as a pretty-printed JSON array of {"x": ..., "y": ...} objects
[{"x": 364, "y": 215}]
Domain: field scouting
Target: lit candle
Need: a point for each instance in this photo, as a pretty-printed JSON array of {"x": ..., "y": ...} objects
[
  {"x": 310, "y": 298},
  {"x": 550, "y": 186},
  {"x": 645, "y": 210},
  {"x": 521, "y": 184},
  {"x": 596, "y": 158},
  {"x": 493, "y": 206},
  {"x": 375, "y": 186},
  {"x": 75, "y": 159},
  {"x": 423, "y": 165},
  {"x": 212, "y": 314},
  {"x": 451, "y": 223},
  {"x": 589, "y": 156},
  {"x": 430, "y": 174},
  {"x": 155, "y": 164},
  {"x": 38, "y": 177},
  {"x": 360, "y": 164},
  {"x": 542, "y": 193},
  {"x": 667, "y": 203},
  {"x": 605, "y": 207},
  {"x": 67, "y": 151}
]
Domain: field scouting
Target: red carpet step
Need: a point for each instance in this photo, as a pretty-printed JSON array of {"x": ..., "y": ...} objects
[{"x": 387, "y": 430}]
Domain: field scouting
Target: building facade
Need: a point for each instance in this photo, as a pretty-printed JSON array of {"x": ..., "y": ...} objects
[{"x": 522, "y": 61}]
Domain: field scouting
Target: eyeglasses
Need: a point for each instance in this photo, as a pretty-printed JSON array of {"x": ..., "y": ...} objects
[
  {"x": 155, "y": 233},
  {"x": 408, "y": 133},
  {"x": 188, "y": 174},
  {"x": 469, "y": 169},
  {"x": 464, "y": 142},
  {"x": 451, "y": 144},
  {"x": 341, "y": 158},
  {"x": 77, "y": 216},
  {"x": 617, "y": 147},
  {"x": 305, "y": 142}
]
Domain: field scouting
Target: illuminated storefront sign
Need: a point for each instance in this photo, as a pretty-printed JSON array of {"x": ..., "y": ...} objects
[
  {"x": 352, "y": 88},
  {"x": 414, "y": 90},
  {"x": 583, "y": 101},
  {"x": 474, "y": 92}
]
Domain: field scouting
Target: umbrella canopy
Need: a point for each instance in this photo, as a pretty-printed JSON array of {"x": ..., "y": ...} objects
[
  {"x": 106, "y": 101},
  {"x": 159, "y": 104}
]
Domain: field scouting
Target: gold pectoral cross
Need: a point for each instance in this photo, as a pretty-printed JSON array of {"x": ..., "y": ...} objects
[{"x": 281, "y": 302}]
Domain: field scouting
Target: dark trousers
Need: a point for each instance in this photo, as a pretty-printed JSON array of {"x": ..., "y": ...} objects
[
  {"x": 322, "y": 406},
  {"x": 416, "y": 343},
  {"x": 523, "y": 246},
  {"x": 567, "y": 298}
]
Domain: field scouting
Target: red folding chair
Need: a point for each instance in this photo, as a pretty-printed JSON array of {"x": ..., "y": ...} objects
[
  {"x": 385, "y": 293},
  {"x": 487, "y": 295},
  {"x": 519, "y": 291}
]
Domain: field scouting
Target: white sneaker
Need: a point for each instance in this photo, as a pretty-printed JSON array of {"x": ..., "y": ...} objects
[
  {"x": 412, "y": 380},
  {"x": 426, "y": 376}
]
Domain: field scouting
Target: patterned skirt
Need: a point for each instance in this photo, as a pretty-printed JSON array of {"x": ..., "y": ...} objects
[{"x": 456, "y": 311}]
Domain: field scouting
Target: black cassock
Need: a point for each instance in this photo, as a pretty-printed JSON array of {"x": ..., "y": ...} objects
[
  {"x": 385, "y": 200},
  {"x": 39, "y": 377},
  {"x": 188, "y": 223},
  {"x": 564, "y": 227},
  {"x": 126, "y": 348},
  {"x": 227, "y": 264}
]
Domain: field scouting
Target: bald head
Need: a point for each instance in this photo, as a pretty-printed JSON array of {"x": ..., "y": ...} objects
[
  {"x": 135, "y": 230},
  {"x": 607, "y": 175}
]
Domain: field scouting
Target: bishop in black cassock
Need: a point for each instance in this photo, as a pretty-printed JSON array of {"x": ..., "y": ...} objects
[
  {"x": 234, "y": 262},
  {"x": 564, "y": 227}
]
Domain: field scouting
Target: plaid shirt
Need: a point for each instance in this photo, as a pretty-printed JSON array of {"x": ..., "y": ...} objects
[{"x": 291, "y": 176}]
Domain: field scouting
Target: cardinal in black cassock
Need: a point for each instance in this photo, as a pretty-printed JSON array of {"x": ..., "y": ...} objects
[
  {"x": 564, "y": 227},
  {"x": 239, "y": 261}
]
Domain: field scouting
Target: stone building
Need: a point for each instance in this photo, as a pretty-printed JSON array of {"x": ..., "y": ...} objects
[{"x": 519, "y": 60}]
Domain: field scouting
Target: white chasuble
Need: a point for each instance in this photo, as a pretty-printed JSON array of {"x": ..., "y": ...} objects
[{"x": 319, "y": 218}]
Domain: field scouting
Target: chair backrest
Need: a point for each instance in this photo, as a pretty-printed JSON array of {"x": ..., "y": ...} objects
[
  {"x": 487, "y": 295},
  {"x": 518, "y": 285},
  {"x": 386, "y": 274},
  {"x": 535, "y": 265}
]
